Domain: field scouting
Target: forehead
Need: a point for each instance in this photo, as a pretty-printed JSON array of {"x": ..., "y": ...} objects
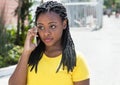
[{"x": 49, "y": 16}]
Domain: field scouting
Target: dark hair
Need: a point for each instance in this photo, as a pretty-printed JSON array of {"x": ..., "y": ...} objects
[{"x": 68, "y": 48}]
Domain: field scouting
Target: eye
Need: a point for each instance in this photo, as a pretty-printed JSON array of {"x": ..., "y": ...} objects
[
  {"x": 52, "y": 26},
  {"x": 41, "y": 27}
]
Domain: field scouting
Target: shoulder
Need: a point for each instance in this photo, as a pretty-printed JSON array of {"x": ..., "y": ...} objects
[
  {"x": 80, "y": 71},
  {"x": 81, "y": 61}
]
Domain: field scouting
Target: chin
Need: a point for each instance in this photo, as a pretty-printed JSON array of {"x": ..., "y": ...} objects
[{"x": 48, "y": 44}]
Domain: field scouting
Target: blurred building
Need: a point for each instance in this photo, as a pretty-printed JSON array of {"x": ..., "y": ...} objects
[{"x": 7, "y": 8}]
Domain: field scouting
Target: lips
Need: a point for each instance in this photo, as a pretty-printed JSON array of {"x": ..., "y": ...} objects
[{"x": 48, "y": 39}]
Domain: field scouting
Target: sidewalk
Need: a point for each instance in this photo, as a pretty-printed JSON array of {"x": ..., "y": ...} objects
[
  {"x": 101, "y": 50},
  {"x": 5, "y": 74}
]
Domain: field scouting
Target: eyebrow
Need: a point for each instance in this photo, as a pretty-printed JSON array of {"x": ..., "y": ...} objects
[{"x": 48, "y": 23}]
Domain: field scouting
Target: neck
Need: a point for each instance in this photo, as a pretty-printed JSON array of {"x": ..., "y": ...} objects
[{"x": 53, "y": 51}]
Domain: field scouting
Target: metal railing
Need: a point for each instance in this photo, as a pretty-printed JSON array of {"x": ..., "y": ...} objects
[{"x": 85, "y": 14}]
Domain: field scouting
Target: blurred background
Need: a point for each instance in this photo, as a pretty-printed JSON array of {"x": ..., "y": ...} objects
[{"x": 94, "y": 25}]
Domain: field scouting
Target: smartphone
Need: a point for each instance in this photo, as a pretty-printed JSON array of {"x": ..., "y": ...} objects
[{"x": 35, "y": 38}]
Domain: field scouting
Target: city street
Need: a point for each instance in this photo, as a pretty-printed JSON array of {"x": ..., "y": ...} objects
[{"x": 101, "y": 50}]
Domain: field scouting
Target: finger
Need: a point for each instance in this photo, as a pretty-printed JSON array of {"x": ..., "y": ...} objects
[
  {"x": 30, "y": 34},
  {"x": 34, "y": 30},
  {"x": 31, "y": 31}
]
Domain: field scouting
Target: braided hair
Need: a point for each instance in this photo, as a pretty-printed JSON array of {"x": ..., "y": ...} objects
[{"x": 68, "y": 49}]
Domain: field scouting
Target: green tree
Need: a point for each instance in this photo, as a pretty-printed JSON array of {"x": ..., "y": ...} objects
[
  {"x": 110, "y": 3},
  {"x": 5, "y": 37},
  {"x": 3, "y": 33},
  {"x": 23, "y": 13}
]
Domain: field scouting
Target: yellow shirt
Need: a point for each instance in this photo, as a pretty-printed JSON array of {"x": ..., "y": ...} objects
[{"x": 46, "y": 72}]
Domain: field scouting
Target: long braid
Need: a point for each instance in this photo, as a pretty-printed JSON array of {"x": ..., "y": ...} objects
[{"x": 68, "y": 52}]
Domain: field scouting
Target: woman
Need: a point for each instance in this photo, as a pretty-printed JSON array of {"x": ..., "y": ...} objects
[{"x": 53, "y": 61}]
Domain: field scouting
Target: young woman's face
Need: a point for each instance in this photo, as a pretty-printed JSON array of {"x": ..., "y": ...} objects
[{"x": 50, "y": 28}]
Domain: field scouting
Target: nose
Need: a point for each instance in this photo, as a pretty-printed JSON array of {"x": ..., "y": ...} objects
[{"x": 47, "y": 32}]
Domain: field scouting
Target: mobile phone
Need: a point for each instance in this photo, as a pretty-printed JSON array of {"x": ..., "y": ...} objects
[{"x": 35, "y": 38}]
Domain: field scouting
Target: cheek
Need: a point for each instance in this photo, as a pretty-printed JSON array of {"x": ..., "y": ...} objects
[{"x": 58, "y": 33}]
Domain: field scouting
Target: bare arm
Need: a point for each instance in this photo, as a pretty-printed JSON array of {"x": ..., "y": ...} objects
[
  {"x": 19, "y": 77},
  {"x": 20, "y": 73},
  {"x": 84, "y": 82}
]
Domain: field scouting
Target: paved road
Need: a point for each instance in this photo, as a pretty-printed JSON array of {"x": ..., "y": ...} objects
[{"x": 101, "y": 50}]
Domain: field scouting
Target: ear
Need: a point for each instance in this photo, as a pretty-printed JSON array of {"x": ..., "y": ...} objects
[{"x": 65, "y": 24}]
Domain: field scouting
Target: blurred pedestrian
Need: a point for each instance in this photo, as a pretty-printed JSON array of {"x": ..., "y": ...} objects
[
  {"x": 117, "y": 13},
  {"x": 109, "y": 12}
]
